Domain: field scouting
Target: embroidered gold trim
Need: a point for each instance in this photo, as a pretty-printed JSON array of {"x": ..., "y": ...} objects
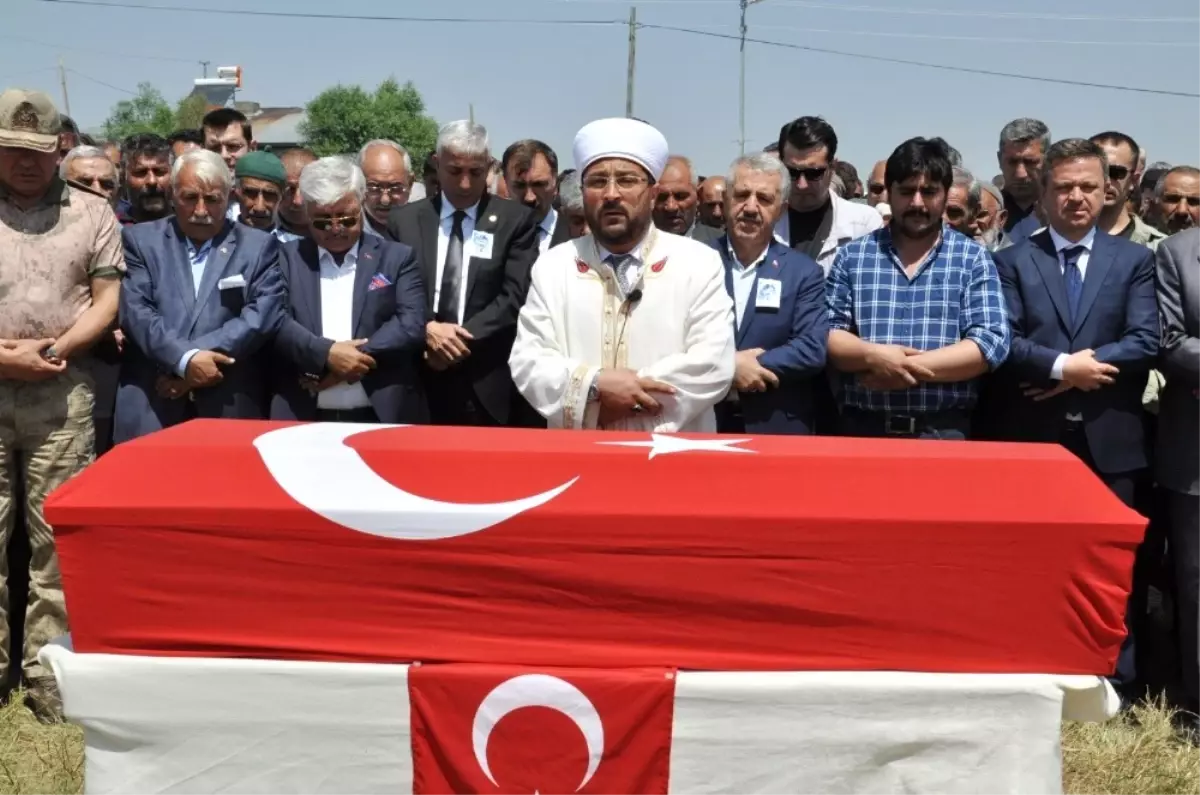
[{"x": 571, "y": 399}]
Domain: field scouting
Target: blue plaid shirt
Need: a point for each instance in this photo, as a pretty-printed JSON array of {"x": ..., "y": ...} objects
[{"x": 954, "y": 295}]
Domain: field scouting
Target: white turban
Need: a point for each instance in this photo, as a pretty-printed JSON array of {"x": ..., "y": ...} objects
[{"x": 628, "y": 139}]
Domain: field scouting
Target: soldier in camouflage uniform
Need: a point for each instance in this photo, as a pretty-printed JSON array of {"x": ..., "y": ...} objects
[{"x": 60, "y": 269}]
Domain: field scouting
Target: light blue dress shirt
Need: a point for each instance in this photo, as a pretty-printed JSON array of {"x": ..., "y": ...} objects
[
  {"x": 742, "y": 277},
  {"x": 197, "y": 259}
]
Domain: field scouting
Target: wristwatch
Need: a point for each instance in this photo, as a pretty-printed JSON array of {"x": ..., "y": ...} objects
[{"x": 593, "y": 394}]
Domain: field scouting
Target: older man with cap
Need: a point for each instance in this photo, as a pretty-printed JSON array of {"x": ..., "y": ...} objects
[
  {"x": 627, "y": 328},
  {"x": 259, "y": 182}
]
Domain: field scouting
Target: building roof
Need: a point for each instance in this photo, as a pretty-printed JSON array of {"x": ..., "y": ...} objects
[{"x": 278, "y": 126}]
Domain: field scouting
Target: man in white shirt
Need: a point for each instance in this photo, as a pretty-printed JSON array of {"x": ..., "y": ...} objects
[
  {"x": 628, "y": 327},
  {"x": 349, "y": 346},
  {"x": 530, "y": 170}
]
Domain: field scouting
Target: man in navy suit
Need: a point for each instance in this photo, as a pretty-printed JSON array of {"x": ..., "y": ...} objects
[
  {"x": 781, "y": 326},
  {"x": 1085, "y": 335},
  {"x": 348, "y": 349},
  {"x": 201, "y": 297},
  {"x": 1085, "y": 327}
]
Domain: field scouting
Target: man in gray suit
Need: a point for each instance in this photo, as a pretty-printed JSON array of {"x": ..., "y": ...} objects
[{"x": 1177, "y": 462}]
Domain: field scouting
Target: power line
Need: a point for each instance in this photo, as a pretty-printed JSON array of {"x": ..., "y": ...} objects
[
  {"x": 91, "y": 79},
  {"x": 982, "y": 39},
  {"x": 942, "y": 12},
  {"x": 943, "y": 67},
  {"x": 30, "y": 72},
  {"x": 99, "y": 53},
  {"x": 349, "y": 17}
]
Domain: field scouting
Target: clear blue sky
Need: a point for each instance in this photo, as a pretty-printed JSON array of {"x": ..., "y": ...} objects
[{"x": 545, "y": 81}]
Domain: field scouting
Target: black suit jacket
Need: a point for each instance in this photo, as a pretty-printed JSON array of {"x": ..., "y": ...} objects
[
  {"x": 1117, "y": 318},
  {"x": 562, "y": 230},
  {"x": 388, "y": 311},
  {"x": 703, "y": 233},
  {"x": 496, "y": 289}
]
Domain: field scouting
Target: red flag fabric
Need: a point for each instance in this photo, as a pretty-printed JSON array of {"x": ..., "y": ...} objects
[
  {"x": 488, "y": 728},
  {"x": 521, "y": 547}
]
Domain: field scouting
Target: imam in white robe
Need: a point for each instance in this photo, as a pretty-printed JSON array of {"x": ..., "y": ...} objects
[{"x": 576, "y": 322}]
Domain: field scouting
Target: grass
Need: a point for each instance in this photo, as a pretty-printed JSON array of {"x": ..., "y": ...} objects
[{"x": 1135, "y": 753}]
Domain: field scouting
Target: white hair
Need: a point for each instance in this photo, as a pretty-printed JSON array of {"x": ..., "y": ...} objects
[
  {"x": 1160, "y": 187},
  {"x": 209, "y": 168},
  {"x": 570, "y": 193},
  {"x": 965, "y": 179},
  {"x": 463, "y": 137},
  {"x": 329, "y": 180},
  {"x": 762, "y": 163},
  {"x": 994, "y": 191},
  {"x": 362, "y": 153},
  {"x": 85, "y": 153}
]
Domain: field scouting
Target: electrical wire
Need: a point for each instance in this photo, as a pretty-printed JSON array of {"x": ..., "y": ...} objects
[
  {"x": 91, "y": 79},
  {"x": 979, "y": 39},
  {"x": 942, "y": 12},
  {"x": 96, "y": 52}
]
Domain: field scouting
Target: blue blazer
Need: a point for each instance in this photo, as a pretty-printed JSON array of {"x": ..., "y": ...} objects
[
  {"x": 794, "y": 337},
  {"x": 1117, "y": 318},
  {"x": 163, "y": 317},
  {"x": 388, "y": 310}
]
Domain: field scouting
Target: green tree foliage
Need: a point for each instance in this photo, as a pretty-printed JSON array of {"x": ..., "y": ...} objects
[
  {"x": 149, "y": 111},
  {"x": 343, "y": 118}
]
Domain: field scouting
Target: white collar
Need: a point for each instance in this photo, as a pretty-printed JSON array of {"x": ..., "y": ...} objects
[
  {"x": 449, "y": 209},
  {"x": 733, "y": 256},
  {"x": 549, "y": 222},
  {"x": 1061, "y": 243},
  {"x": 634, "y": 253},
  {"x": 350, "y": 260}
]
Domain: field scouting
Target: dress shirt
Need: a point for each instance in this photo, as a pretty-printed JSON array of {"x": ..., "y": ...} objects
[
  {"x": 546, "y": 230},
  {"x": 444, "y": 229},
  {"x": 197, "y": 259},
  {"x": 337, "y": 324},
  {"x": 634, "y": 259},
  {"x": 954, "y": 295},
  {"x": 1061, "y": 244},
  {"x": 743, "y": 280},
  {"x": 284, "y": 236}
]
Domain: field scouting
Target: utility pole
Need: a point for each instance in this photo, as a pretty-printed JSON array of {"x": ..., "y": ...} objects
[
  {"x": 62, "y": 78},
  {"x": 471, "y": 112},
  {"x": 742, "y": 79},
  {"x": 629, "y": 77},
  {"x": 204, "y": 65}
]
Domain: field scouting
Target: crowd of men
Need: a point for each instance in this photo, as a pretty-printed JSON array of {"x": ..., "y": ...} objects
[{"x": 165, "y": 279}]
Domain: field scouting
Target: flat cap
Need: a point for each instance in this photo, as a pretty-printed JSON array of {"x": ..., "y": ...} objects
[{"x": 261, "y": 165}]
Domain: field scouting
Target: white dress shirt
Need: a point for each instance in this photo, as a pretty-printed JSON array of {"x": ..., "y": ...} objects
[
  {"x": 1061, "y": 244},
  {"x": 337, "y": 324},
  {"x": 546, "y": 230},
  {"x": 444, "y": 229},
  {"x": 743, "y": 281}
]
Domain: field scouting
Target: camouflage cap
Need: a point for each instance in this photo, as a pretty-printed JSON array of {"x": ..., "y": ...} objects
[{"x": 28, "y": 120}]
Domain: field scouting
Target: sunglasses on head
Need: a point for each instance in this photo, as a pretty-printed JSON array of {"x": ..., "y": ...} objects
[
  {"x": 809, "y": 174},
  {"x": 325, "y": 224}
]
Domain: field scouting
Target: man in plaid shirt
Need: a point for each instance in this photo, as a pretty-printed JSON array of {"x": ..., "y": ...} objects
[{"x": 916, "y": 312}]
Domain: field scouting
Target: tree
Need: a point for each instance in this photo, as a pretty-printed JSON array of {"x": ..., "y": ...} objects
[
  {"x": 343, "y": 118},
  {"x": 189, "y": 112},
  {"x": 146, "y": 112}
]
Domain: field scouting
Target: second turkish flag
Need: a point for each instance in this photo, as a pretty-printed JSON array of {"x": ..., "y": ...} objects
[{"x": 490, "y": 728}]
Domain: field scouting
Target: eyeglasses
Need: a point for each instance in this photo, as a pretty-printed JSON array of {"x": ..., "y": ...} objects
[
  {"x": 1176, "y": 198},
  {"x": 955, "y": 213},
  {"x": 876, "y": 188},
  {"x": 252, "y": 194},
  {"x": 108, "y": 185},
  {"x": 343, "y": 222},
  {"x": 395, "y": 189},
  {"x": 1118, "y": 173},
  {"x": 626, "y": 183},
  {"x": 809, "y": 174}
]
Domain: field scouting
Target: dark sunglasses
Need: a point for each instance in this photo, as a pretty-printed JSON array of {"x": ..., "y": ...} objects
[
  {"x": 1118, "y": 172},
  {"x": 253, "y": 193},
  {"x": 955, "y": 213},
  {"x": 809, "y": 174},
  {"x": 325, "y": 224},
  {"x": 103, "y": 184},
  {"x": 1176, "y": 198}
]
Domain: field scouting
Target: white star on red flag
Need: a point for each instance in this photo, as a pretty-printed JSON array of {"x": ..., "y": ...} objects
[{"x": 662, "y": 444}]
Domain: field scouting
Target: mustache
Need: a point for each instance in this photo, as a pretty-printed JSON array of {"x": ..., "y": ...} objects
[
  {"x": 749, "y": 218},
  {"x": 201, "y": 220},
  {"x": 916, "y": 214}
]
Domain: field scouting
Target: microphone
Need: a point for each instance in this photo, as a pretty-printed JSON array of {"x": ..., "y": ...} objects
[
  {"x": 634, "y": 296},
  {"x": 631, "y": 299}
]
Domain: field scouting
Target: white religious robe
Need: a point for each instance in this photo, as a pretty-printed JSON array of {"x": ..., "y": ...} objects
[{"x": 576, "y": 321}]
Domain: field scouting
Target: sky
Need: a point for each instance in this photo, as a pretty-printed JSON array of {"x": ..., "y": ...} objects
[{"x": 547, "y": 79}]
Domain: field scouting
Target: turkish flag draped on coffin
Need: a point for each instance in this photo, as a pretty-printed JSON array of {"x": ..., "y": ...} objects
[{"x": 376, "y": 543}]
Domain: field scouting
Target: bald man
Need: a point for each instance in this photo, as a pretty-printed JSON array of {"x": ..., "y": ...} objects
[
  {"x": 876, "y": 185},
  {"x": 712, "y": 202},
  {"x": 293, "y": 223},
  {"x": 387, "y": 167},
  {"x": 677, "y": 204}
]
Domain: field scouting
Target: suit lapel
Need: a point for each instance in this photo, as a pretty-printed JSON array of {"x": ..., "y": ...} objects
[
  {"x": 364, "y": 269},
  {"x": 483, "y": 223},
  {"x": 1099, "y": 262},
  {"x": 178, "y": 244},
  {"x": 1046, "y": 260},
  {"x": 429, "y": 246},
  {"x": 223, "y": 247},
  {"x": 308, "y": 287},
  {"x": 751, "y": 311}
]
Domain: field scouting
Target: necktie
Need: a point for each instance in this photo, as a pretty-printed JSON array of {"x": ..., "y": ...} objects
[
  {"x": 1073, "y": 278},
  {"x": 622, "y": 265},
  {"x": 452, "y": 273}
]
